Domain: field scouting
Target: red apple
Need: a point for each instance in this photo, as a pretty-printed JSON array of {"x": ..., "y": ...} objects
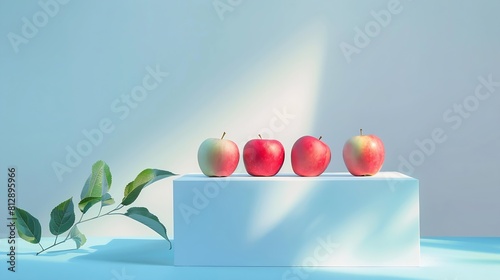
[
  {"x": 310, "y": 156},
  {"x": 218, "y": 157},
  {"x": 263, "y": 157},
  {"x": 363, "y": 154}
]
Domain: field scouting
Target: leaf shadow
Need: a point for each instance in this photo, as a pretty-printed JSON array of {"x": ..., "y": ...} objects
[
  {"x": 136, "y": 251},
  {"x": 65, "y": 252},
  {"x": 55, "y": 252}
]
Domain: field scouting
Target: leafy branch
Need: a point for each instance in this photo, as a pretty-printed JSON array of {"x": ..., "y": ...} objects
[{"x": 95, "y": 191}]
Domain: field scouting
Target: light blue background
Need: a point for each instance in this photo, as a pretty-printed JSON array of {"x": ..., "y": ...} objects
[{"x": 234, "y": 74}]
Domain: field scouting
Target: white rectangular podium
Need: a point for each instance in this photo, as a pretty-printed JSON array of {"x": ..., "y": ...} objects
[{"x": 335, "y": 219}]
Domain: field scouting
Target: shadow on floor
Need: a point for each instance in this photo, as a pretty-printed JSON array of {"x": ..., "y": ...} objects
[
  {"x": 480, "y": 245},
  {"x": 156, "y": 253},
  {"x": 134, "y": 251}
]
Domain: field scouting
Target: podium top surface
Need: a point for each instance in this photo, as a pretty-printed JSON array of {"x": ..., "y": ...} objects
[{"x": 336, "y": 176}]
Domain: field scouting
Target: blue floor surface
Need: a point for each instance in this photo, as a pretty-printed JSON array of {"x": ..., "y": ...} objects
[{"x": 136, "y": 259}]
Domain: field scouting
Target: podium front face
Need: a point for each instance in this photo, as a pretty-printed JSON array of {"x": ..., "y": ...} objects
[{"x": 332, "y": 220}]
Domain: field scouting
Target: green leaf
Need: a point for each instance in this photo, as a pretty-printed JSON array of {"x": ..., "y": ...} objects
[
  {"x": 99, "y": 182},
  {"x": 142, "y": 215},
  {"x": 78, "y": 237},
  {"x": 28, "y": 226},
  {"x": 88, "y": 202},
  {"x": 146, "y": 177},
  {"x": 107, "y": 200},
  {"x": 62, "y": 217}
]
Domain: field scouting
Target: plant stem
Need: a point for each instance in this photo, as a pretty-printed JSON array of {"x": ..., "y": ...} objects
[
  {"x": 53, "y": 245},
  {"x": 69, "y": 232},
  {"x": 120, "y": 206}
]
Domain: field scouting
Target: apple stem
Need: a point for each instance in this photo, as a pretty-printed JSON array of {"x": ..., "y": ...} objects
[
  {"x": 223, "y": 134},
  {"x": 320, "y": 137},
  {"x": 260, "y": 136},
  {"x": 360, "y": 131}
]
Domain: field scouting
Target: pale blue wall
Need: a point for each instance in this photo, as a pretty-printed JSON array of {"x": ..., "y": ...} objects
[{"x": 238, "y": 73}]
